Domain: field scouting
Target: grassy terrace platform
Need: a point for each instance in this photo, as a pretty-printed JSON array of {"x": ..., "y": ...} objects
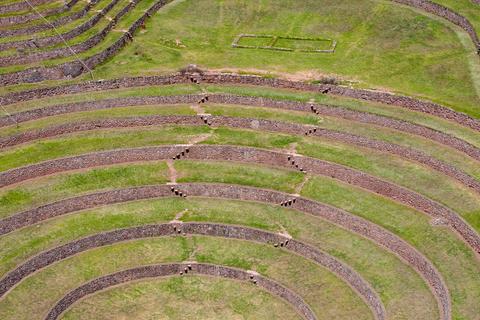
[
  {"x": 352, "y": 59},
  {"x": 363, "y": 210},
  {"x": 220, "y": 299},
  {"x": 386, "y": 166},
  {"x": 112, "y": 36},
  {"x": 63, "y": 28},
  {"x": 21, "y": 28}
]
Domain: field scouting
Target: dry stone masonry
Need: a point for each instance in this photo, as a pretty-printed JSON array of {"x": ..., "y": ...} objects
[
  {"x": 53, "y": 40},
  {"x": 352, "y": 115},
  {"x": 446, "y": 13},
  {"x": 17, "y": 19},
  {"x": 223, "y": 78},
  {"x": 175, "y": 269},
  {"x": 48, "y": 26},
  {"x": 255, "y": 156},
  {"x": 205, "y": 229},
  {"x": 334, "y": 215},
  {"x": 19, "y": 6},
  {"x": 67, "y": 51},
  {"x": 75, "y": 68},
  {"x": 247, "y": 123}
]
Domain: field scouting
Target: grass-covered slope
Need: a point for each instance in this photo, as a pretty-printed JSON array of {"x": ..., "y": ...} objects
[
  {"x": 380, "y": 45},
  {"x": 364, "y": 210}
]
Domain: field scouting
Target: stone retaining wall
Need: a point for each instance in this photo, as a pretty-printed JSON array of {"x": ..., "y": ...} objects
[
  {"x": 175, "y": 269},
  {"x": 364, "y": 117},
  {"x": 47, "y": 26},
  {"x": 382, "y": 97},
  {"x": 19, "y": 6},
  {"x": 75, "y": 68},
  {"x": 256, "y": 156},
  {"x": 331, "y": 214},
  {"x": 67, "y": 51},
  {"x": 52, "y": 40},
  {"x": 17, "y": 19},
  {"x": 46, "y": 258},
  {"x": 245, "y": 123},
  {"x": 446, "y": 13}
]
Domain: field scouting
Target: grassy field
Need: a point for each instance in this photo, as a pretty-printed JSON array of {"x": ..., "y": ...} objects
[
  {"x": 248, "y": 214},
  {"x": 465, "y": 8},
  {"x": 314, "y": 283},
  {"x": 54, "y": 4},
  {"x": 61, "y": 29},
  {"x": 437, "y": 150},
  {"x": 451, "y": 257},
  {"x": 380, "y": 109},
  {"x": 128, "y": 19},
  {"x": 77, "y": 7},
  {"x": 392, "y": 168},
  {"x": 380, "y": 45},
  {"x": 197, "y": 297}
]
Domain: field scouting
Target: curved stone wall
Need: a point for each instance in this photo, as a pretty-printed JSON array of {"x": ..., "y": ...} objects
[
  {"x": 377, "y": 96},
  {"x": 251, "y": 155},
  {"x": 19, "y": 6},
  {"x": 48, "y": 26},
  {"x": 363, "y": 117},
  {"x": 218, "y": 78},
  {"x": 175, "y": 269},
  {"x": 67, "y": 51},
  {"x": 446, "y": 13},
  {"x": 334, "y": 215},
  {"x": 245, "y": 123},
  {"x": 17, "y": 19},
  {"x": 52, "y": 40},
  {"x": 75, "y": 68},
  {"x": 207, "y": 229}
]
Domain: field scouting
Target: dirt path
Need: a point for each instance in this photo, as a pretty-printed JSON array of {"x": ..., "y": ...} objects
[
  {"x": 200, "y": 138},
  {"x": 172, "y": 172},
  {"x": 299, "y": 188},
  {"x": 198, "y": 109}
]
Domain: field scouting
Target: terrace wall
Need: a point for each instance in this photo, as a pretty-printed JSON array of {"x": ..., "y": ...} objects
[
  {"x": 52, "y": 40},
  {"x": 208, "y": 229},
  {"x": 11, "y": 20},
  {"x": 165, "y": 270}
]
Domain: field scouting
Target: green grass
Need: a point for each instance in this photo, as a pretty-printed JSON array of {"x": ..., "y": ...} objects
[
  {"x": 103, "y": 23},
  {"x": 72, "y": 184},
  {"x": 437, "y": 150},
  {"x": 123, "y": 112},
  {"x": 280, "y": 94},
  {"x": 256, "y": 41},
  {"x": 409, "y": 174},
  {"x": 67, "y": 185},
  {"x": 321, "y": 289},
  {"x": 449, "y": 155},
  {"x": 380, "y": 44},
  {"x": 64, "y": 27},
  {"x": 225, "y": 172},
  {"x": 44, "y": 7},
  {"x": 166, "y": 90},
  {"x": 304, "y": 44},
  {"x": 454, "y": 260},
  {"x": 124, "y": 23},
  {"x": 195, "y": 297},
  {"x": 98, "y": 141},
  {"x": 466, "y": 8},
  {"x": 77, "y": 7}
]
